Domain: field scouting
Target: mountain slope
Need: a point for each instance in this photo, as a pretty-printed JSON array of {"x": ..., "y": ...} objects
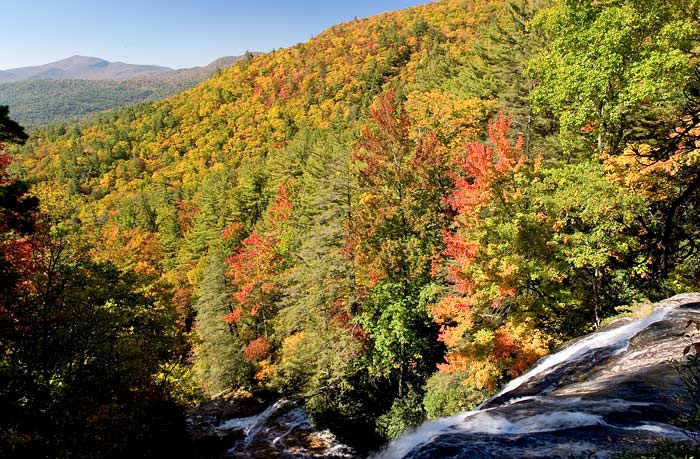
[
  {"x": 249, "y": 110},
  {"x": 177, "y": 186},
  {"x": 41, "y": 100},
  {"x": 336, "y": 220},
  {"x": 82, "y": 67}
]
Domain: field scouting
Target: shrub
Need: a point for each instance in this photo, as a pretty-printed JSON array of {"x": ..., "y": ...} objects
[
  {"x": 447, "y": 394},
  {"x": 405, "y": 413}
]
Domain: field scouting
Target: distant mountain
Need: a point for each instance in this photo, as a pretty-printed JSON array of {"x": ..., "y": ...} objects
[
  {"x": 44, "y": 99},
  {"x": 82, "y": 68},
  {"x": 200, "y": 73}
]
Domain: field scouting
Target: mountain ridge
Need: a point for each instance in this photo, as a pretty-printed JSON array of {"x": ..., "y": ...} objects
[
  {"x": 91, "y": 68},
  {"x": 44, "y": 100},
  {"x": 81, "y": 67}
]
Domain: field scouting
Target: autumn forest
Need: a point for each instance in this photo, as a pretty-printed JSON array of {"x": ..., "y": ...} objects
[{"x": 385, "y": 223}]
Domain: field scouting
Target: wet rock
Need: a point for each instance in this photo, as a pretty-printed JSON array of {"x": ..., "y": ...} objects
[
  {"x": 203, "y": 422},
  {"x": 607, "y": 392},
  {"x": 282, "y": 430}
]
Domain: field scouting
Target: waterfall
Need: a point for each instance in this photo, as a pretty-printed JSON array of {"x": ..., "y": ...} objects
[
  {"x": 545, "y": 414},
  {"x": 617, "y": 339}
]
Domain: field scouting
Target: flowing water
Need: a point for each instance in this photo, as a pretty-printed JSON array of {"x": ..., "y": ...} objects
[
  {"x": 282, "y": 430},
  {"x": 252, "y": 425},
  {"x": 611, "y": 390},
  {"x": 616, "y": 340}
]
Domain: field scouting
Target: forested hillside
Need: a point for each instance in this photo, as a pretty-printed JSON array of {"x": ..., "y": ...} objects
[
  {"x": 41, "y": 101},
  {"x": 391, "y": 220}
]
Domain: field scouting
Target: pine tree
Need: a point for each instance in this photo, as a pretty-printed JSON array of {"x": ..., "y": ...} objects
[
  {"x": 320, "y": 292},
  {"x": 219, "y": 361}
]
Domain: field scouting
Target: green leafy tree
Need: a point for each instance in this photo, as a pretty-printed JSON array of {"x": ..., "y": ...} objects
[
  {"x": 614, "y": 71},
  {"x": 623, "y": 79}
]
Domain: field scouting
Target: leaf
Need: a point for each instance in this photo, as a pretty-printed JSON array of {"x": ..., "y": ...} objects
[{"x": 687, "y": 349}]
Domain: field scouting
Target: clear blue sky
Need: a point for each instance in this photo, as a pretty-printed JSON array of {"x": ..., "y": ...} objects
[{"x": 174, "y": 33}]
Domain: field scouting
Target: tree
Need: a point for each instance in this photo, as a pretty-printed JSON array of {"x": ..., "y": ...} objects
[
  {"x": 496, "y": 69},
  {"x": 10, "y": 131},
  {"x": 537, "y": 255},
  {"x": 615, "y": 72},
  {"x": 396, "y": 235},
  {"x": 624, "y": 76},
  {"x": 667, "y": 178},
  {"x": 484, "y": 269},
  {"x": 319, "y": 293},
  {"x": 17, "y": 213},
  {"x": 219, "y": 360},
  {"x": 396, "y": 229},
  {"x": 254, "y": 269}
]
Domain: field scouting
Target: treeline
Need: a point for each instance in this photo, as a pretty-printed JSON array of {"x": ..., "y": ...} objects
[{"x": 393, "y": 219}]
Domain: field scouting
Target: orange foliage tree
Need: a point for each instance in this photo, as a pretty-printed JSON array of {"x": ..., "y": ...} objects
[
  {"x": 253, "y": 270},
  {"x": 473, "y": 323}
]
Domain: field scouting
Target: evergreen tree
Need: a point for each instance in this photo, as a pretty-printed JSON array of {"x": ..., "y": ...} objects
[
  {"x": 495, "y": 68},
  {"x": 319, "y": 295},
  {"x": 219, "y": 361}
]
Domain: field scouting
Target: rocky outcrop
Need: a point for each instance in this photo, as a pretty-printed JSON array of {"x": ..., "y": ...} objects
[
  {"x": 281, "y": 431},
  {"x": 613, "y": 390}
]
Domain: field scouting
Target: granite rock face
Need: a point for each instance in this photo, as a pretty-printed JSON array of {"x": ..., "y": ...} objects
[{"x": 613, "y": 390}]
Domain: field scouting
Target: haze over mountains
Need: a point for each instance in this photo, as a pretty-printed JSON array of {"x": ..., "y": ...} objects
[
  {"x": 82, "y": 68},
  {"x": 80, "y": 85}
]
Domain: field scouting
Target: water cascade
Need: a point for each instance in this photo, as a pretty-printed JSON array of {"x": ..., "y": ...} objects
[{"x": 608, "y": 391}]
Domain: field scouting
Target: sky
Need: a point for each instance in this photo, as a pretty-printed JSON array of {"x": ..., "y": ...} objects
[{"x": 173, "y": 33}]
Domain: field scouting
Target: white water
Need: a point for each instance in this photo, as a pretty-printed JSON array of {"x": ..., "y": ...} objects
[
  {"x": 406, "y": 443},
  {"x": 251, "y": 425},
  {"x": 662, "y": 429},
  {"x": 292, "y": 420},
  {"x": 484, "y": 422},
  {"x": 270, "y": 420},
  {"x": 617, "y": 338},
  {"x": 238, "y": 423}
]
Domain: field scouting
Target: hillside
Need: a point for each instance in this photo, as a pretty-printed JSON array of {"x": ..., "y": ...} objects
[
  {"x": 159, "y": 184},
  {"x": 385, "y": 223},
  {"x": 43, "y": 100},
  {"x": 255, "y": 108},
  {"x": 82, "y": 68}
]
